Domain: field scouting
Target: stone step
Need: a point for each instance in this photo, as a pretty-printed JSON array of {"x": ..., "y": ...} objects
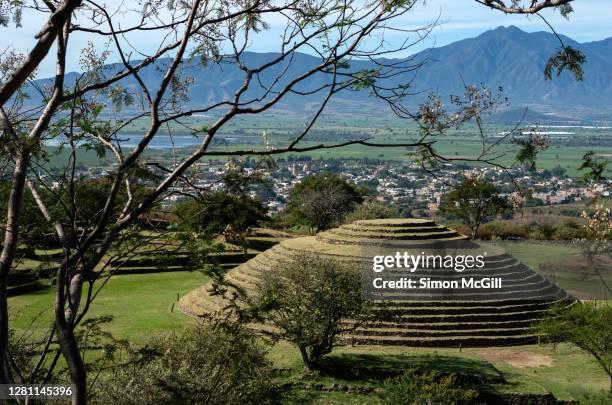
[
  {"x": 449, "y": 341},
  {"x": 467, "y": 310},
  {"x": 336, "y": 238},
  {"x": 406, "y": 332},
  {"x": 458, "y": 303},
  {"x": 455, "y": 326},
  {"x": 390, "y": 230},
  {"x": 394, "y": 222},
  {"x": 473, "y": 317}
]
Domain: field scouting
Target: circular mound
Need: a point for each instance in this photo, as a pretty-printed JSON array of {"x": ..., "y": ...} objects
[{"x": 503, "y": 317}]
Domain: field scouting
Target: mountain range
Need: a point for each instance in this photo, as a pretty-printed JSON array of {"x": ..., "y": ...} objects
[{"x": 504, "y": 57}]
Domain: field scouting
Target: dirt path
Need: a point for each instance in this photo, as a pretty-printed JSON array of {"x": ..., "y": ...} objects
[{"x": 518, "y": 359}]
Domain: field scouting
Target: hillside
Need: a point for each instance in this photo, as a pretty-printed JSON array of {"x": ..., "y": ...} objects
[{"x": 504, "y": 57}]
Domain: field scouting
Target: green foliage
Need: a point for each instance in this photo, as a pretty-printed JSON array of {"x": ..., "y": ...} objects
[
  {"x": 372, "y": 210},
  {"x": 474, "y": 201},
  {"x": 568, "y": 58},
  {"x": 568, "y": 230},
  {"x": 321, "y": 201},
  {"x": 90, "y": 195},
  {"x": 230, "y": 211},
  {"x": 307, "y": 300},
  {"x": 205, "y": 365},
  {"x": 529, "y": 147},
  {"x": 502, "y": 230},
  {"x": 426, "y": 388},
  {"x": 219, "y": 212},
  {"x": 596, "y": 168},
  {"x": 587, "y": 325}
]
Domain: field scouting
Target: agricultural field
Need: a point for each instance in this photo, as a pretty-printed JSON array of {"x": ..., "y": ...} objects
[{"x": 565, "y": 150}]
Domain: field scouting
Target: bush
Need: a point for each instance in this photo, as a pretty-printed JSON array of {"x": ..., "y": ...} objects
[
  {"x": 416, "y": 388},
  {"x": 205, "y": 365},
  {"x": 502, "y": 230},
  {"x": 569, "y": 230},
  {"x": 372, "y": 210},
  {"x": 536, "y": 235}
]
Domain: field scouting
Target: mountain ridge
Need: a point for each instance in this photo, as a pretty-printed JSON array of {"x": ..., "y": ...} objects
[{"x": 505, "y": 57}]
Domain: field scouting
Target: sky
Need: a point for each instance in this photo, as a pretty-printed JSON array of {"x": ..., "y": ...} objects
[{"x": 458, "y": 19}]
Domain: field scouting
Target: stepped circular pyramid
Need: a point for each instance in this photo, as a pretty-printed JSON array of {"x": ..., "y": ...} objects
[{"x": 499, "y": 318}]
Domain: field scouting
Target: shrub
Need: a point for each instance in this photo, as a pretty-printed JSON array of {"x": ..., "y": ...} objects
[
  {"x": 431, "y": 387},
  {"x": 372, "y": 210},
  {"x": 586, "y": 325},
  {"x": 569, "y": 230},
  {"x": 502, "y": 230},
  {"x": 205, "y": 365},
  {"x": 536, "y": 234},
  {"x": 492, "y": 230}
]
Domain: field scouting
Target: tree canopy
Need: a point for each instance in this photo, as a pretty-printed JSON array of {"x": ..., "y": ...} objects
[
  {"x": 473, "y": 201},
  {"x": 322, "y": 200}
]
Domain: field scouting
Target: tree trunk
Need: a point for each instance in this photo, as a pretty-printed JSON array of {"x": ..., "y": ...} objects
[
  {"x": 74, "y": 361},
  {"x": 305, "y": 358},
  {"x": 67, "y": 299},
  {"x": 11, "y": 237},
  {"x": 5, "y": 370},
  {"x": 474, "y": 231}
]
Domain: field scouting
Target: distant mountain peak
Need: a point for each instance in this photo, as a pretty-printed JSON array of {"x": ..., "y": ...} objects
[
  {"x": 505, "y": 57},
  {"x": 508, "y": 28}
]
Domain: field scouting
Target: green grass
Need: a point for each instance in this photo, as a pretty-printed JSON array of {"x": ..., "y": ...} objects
[
  {"x": 139, "y": 303},
  {"x": 533, "y": 253},
  {"x": 246, "y": 134},
  {"x": 566, "y": 263},
  {"x": 27, "y": 263},
  {"x": 573, "y": 374}
]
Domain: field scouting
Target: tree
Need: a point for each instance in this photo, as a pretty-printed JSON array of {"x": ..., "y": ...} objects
[
  {"x": 32, "y": 228},
  {"x": 321, "y": 201},
  {"x": 473, "y": 201},
  {"x": 90, "y": 110},
  {"x": 587, "y": 325},
  {"x": 230, "y": 211},
  {"x": 221, "y": 212},
  {"x": 596, "y": 243},
  {"x": 558, "y": 171},
  {"x": 307, "y": 300}
]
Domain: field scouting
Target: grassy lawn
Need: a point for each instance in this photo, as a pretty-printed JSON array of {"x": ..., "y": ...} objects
[
  {"x": 570, "y": 373},
  {"x": 534, "y": 253},
  {"x": 139, "y": 303},
  {"x": 565, "y": 270}
]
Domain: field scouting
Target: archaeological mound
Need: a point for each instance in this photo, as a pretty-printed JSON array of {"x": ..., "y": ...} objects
[{"x": 498, "y": 317}]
